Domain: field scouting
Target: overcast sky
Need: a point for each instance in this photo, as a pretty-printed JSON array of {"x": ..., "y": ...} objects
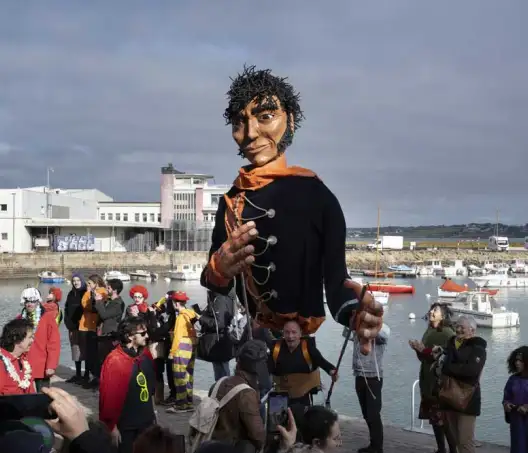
[{"x": 418, "y": 106}]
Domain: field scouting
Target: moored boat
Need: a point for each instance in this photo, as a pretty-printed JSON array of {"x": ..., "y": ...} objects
[
  {"x": 450, "y": 289},
  {"x": 187, "y": 272},
  {"x": 378, "y": 274},
  {"x": 485, "y": 309},
  {"x": 391, "y": 288},
  {"x": 140, "y": 274},
  {"x": 500, "y": 279},
  {"x": 116, "y": 275},
  {"x": 50, "y": 277}
]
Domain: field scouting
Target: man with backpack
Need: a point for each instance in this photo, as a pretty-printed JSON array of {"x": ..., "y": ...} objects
[
  {"x": 231, "y": 412},
  {"x": 216, "y": 342}
]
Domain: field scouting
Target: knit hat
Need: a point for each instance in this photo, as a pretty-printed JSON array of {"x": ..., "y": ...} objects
[
  {"x": 251, "y": 354},
  {"x": 139, "y": 289},
  {"x": 57, "y": 292}
]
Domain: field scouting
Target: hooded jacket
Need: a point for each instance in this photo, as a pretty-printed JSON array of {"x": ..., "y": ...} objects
[{"x": 73, "y": 310}]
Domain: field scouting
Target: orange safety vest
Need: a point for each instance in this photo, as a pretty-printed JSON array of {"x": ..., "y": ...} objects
[{"x": 297, "y": 384}]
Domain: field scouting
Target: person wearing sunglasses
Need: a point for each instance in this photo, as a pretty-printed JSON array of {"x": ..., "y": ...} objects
[{"x": 128, "y": 378}]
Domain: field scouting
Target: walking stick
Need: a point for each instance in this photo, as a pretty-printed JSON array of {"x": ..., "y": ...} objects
[{"x": 343, "y": 349}]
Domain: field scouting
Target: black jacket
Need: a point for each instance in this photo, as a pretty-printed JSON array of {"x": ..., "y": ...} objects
[
  {"x": 91, "y": 441},
  {"x": 111, "y": 313},
  {"x": 466, "y": 364},
  {"x": 73, "y": 309},
  {"x": 214, "y": 344}
]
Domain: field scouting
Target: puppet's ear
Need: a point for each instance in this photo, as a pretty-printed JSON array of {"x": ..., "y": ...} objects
[{"x": 291, "y": 123}]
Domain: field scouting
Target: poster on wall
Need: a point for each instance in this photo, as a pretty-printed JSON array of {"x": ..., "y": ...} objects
[{"x": 74, "y": 243}]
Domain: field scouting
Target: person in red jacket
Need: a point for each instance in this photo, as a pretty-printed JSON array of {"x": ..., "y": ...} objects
[
  {"x": 127, "y": 385},
  {"x": 44, "y": 353},
  {"x": 15, "y": 371}
]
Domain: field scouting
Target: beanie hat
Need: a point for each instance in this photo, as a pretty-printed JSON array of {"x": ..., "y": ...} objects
[
  {"x": 251, "y": 354},
  {"x": 139, "y": 289}
]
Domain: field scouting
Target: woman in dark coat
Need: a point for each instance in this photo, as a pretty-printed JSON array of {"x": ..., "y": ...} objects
[
  {"x": 438, "y": 333},
  {"x": 73, "y": 312}
]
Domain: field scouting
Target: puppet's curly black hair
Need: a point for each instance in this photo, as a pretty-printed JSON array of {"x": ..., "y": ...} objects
[
  {"x": 523, "y": 352},
  {"x": 262, "y": 85}
]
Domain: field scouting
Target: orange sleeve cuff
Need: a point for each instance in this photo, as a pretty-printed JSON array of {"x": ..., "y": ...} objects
[{"x": 212, "y": 274}]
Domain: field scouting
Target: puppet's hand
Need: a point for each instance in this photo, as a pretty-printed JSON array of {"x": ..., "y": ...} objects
[
  {"x": 235, "y": 254},
  {"x": 368, "y": 320}
]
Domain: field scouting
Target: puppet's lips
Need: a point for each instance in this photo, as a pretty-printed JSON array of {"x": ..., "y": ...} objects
[{"x": 254, "y": 150}]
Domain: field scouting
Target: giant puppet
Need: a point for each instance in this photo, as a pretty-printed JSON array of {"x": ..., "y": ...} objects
[{"x": 279, "y": 229}]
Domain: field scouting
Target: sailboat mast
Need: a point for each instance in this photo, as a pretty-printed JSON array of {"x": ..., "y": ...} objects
[
  {"x": 377, "y": 244},
  {"x": 497, "y": 227}
]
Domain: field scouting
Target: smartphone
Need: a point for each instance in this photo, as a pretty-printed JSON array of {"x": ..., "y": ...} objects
[
  {"x": 15, "y": 407},
  {"x": 277, "y": 411},
  {"x": 180, "y": 443}
]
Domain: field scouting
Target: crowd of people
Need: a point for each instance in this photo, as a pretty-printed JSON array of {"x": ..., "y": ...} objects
[{"x": 135, "y": 349}]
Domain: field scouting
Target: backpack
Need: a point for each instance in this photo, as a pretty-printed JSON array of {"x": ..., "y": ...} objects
[{"x": 204, "y": 419}]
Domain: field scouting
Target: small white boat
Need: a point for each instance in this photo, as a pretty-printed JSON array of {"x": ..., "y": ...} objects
[
  {"x": 140, "y": 274},
  {"x": 500, "y": 279},
  {"x": 485, "y": 309},
  {"x": 187, "y": 272},
  {"x": 454, "y": 270},
  {"x": 519, "y": 267},
  {"x": 432, "y": 267},
  {"x": 50, "y": 277},
  {"x": 116, "y": 275}
]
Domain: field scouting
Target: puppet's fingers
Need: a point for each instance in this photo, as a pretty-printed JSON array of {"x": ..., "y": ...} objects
[{"x": 242, "y": 236}]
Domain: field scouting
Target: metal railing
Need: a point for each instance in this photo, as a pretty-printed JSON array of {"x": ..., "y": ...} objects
[{"x": 413, "y": 426}]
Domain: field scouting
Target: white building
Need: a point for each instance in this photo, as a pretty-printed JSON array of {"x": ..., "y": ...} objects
[{"x": 68, "y": 219}]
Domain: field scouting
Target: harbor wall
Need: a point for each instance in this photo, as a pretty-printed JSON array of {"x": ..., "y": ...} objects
[{"x": 28, "y": 265}]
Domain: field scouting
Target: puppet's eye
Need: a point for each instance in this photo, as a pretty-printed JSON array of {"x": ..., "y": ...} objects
[{"x": 266, "y": 116}]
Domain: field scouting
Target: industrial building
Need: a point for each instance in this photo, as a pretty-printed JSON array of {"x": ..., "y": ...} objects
[{"x": 42, "y": 218}]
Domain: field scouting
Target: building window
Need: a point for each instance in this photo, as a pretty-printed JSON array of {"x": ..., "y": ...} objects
[
  {"x": 3, "y": 207},
  {"x": 152, "y": 217},
  {"x": 110, "y": 216},
  {"x": 125, "y": 217},
  {"x": 4, "y": 236},
  {"x": 118, "y": 217},
  {"x": 136, "y": 217},
  {"x": 159, "y": 218},
  {"x": 144, "y": 217},
  {"x": 103, "y": 216},
  {"x": 215, "y": 199}
]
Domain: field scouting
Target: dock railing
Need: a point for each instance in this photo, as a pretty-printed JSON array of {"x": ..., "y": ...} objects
[{"x": 415, "y": 427}]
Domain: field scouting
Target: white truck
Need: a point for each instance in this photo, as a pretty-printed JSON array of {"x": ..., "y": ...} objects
[
  {"x": 387, "y": 243},
  {"x": 498, "y": 244}
]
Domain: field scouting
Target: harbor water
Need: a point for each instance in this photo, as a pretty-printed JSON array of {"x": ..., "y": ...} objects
[{"x": 400, "y": 366}]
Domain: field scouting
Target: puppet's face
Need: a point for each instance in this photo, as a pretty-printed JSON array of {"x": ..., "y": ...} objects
[{"x": 259, "y": 128}]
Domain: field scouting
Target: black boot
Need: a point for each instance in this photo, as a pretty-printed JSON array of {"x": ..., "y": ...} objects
[{"x": 440, "y": 438}]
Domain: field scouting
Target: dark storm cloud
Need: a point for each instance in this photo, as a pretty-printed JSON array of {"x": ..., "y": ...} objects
[{"x": 417, "y": 106}]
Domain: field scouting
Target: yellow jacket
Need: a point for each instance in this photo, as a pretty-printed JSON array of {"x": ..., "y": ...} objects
[{"x": 183, "y": 328}]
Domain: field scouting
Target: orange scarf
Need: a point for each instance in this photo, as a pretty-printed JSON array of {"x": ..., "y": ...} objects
[{"x": 258, "y": 177}]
